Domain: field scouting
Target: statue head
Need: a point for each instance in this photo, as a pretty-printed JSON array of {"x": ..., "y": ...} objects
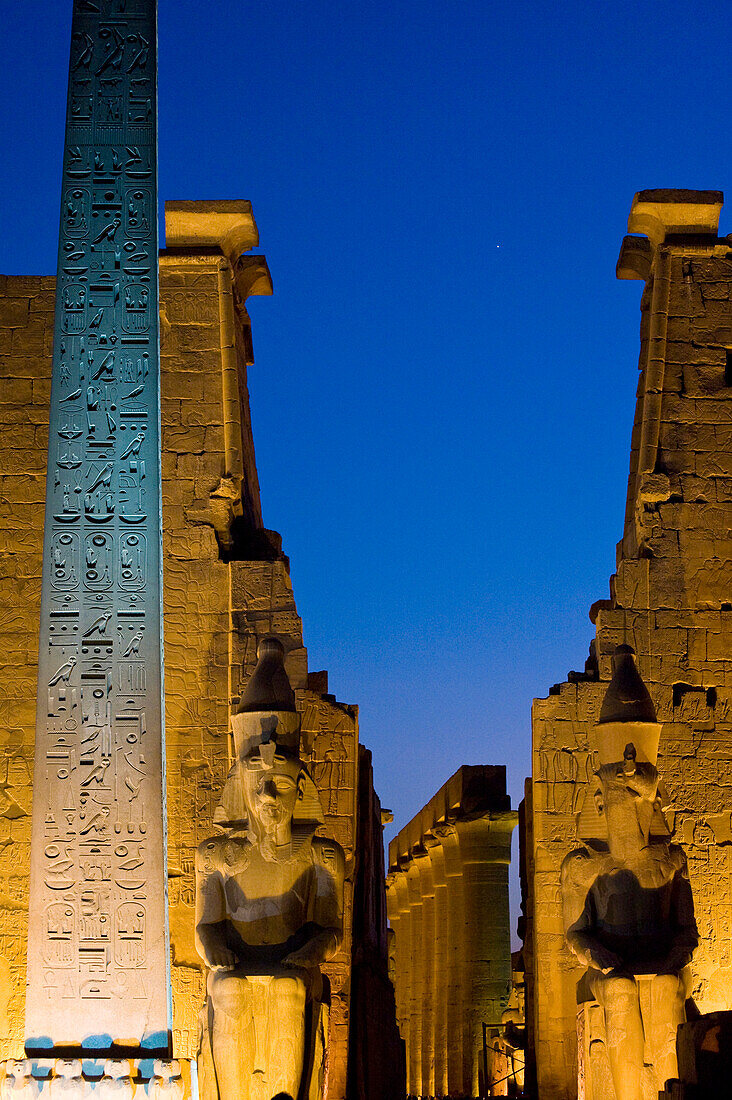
[
  {"x": 271, "y": 788},
  {"x": 18, "y": 1068},
  {"x": 626, "y": 796},
  {"x": 268, "y": 773},
  {"x": 116, "y": 1068},
  {"x": 627, "y": 727},
  {"x": 625, "y": 802}
]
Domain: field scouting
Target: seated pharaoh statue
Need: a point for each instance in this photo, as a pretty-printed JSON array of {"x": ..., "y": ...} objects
[
  {"x": 628, "y": 907},
  {"x": 269, "y": 908}
]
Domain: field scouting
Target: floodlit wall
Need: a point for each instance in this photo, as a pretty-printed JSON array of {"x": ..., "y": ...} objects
[
  {"x": 226, "y": 584},
  {"x": 671, "y": 599}
]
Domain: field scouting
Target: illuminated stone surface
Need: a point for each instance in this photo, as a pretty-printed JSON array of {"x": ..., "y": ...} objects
[
  {"x": 226, "y": 585},
  {"x": 628, "y": 907},
  {"x": 269, "y": 907},
  {"x": 447, "y": 893},
  {"x": 671, "y": 599},
  {"x": 508, "y": 1050},
  {"x": 97, "y": 937},
  {"x": 104, "y": 1079},
  {"x": 655, "y": 214},
  {"x": 226, "y": 224}
]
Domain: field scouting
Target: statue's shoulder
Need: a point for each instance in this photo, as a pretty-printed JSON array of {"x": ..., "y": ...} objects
[
  {"x": 677, "y": 858},
  {"x": 328, "y": 853},
  {"x": 580, "y": 869},
  {"x": 582, "y": 866},
  {"x": 210, "y": 854}
]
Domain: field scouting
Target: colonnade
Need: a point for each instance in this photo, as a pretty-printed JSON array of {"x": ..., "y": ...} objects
[{"x": 447, "y": 901}]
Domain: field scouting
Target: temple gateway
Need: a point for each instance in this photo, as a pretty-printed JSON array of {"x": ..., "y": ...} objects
[{"x": 194, "y": 896}]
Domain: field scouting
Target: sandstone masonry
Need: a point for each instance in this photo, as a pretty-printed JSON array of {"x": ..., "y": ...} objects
[
  {"x": 226, "y": 584},
  {"x": 671, "y": 599}
]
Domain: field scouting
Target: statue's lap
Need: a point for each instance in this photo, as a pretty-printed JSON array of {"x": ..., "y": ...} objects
[{"x": 232, "y": 990}]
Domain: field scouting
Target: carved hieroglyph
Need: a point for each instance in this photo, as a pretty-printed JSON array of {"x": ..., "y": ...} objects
[{"x": 97, "y": 947}]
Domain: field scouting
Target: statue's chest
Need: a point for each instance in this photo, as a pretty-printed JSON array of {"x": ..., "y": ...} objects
[
  {"x": 270, "y": 896},
  {"x": 638, "y": 898}
]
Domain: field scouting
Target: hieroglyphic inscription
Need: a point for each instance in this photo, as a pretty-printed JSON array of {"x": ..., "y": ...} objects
[{"x": 97, "y": 954}]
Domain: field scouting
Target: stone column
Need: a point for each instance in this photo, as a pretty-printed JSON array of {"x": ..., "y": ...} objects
[
  {"x": 437, "y": 860},
  {"x": 485, "y": 849},
  {"x": 424, "y": 868},
  {"x": 454, "y": 958},
  {"x": 404, "y": 964},
  {"x": 414, "y": 1063}
]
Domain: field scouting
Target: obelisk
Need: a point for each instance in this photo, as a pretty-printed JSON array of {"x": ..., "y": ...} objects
[{"x": 98, "y": 971}]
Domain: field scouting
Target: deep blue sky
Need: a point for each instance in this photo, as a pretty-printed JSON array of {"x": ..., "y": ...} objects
[{"x": 445, "y": 379}]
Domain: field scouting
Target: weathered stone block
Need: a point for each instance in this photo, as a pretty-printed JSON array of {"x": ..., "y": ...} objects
[
  {"x": 195, "y": 338},
  {"x": 184, "y": 440},
  {"x": 170, "y": 412},
  {"x": 201, "y": 414},
  {"x": 41, "y": 391},
  {"x": 212, "y": 387},
  {"x": 178, "y": 492},
  {"x": 716, "y": 464},
  {"x": 186, "y": 385},
  {"x": 16, "y": 390},
  {"x": 214, "y": 440},
  {"x": 29, "y": 340},
  {"x": 13, "y": 312}
]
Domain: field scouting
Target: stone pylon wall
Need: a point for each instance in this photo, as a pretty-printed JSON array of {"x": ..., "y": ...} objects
[
  {"x": 262, "y": 603},
  {"x": 447, "y": 897},
  {"x": 215, "y": 605},
  {"x": 671, "y": 599},
  {"x": 26, "y": 334}
]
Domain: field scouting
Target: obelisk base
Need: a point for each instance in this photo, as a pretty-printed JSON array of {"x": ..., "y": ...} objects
[{"x": 110, "y": 1079}]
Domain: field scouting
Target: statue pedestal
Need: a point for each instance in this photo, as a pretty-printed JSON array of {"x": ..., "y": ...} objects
[
  {"x": 704, "y": 1048},
  {"x": 594, "y": 1075},
  {"x": 98, "y": 1079},
  {"x": 594, "y": 1080},
  {"x": 317, "y": 1017}
]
